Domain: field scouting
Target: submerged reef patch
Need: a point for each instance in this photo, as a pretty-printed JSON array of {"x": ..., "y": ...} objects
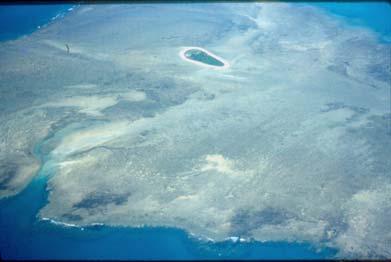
[{"x": 97, "y": 199}]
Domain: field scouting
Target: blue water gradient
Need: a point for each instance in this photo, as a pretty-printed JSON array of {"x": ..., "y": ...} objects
[
  {"x": 373, "y": 15},
  {"x": 23, "y": 236},
  {"x": 19, "y": 20}
]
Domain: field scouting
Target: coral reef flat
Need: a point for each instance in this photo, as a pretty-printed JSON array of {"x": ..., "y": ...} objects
[{"x": 287, "y": 140}]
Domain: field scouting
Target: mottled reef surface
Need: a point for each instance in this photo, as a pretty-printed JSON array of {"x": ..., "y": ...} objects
[{"x": 291, "y": 142}]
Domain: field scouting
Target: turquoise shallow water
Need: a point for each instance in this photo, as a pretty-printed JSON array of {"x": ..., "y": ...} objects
[
  {"x": 23, "y": 236},
  {"x": 373, "y": 15}
]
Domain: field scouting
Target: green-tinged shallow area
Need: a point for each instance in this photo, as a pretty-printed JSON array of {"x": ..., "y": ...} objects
[{"x": 201, "y": 56}]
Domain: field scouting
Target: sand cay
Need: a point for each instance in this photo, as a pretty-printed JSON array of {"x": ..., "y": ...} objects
[{"x": 202, "y": 57}]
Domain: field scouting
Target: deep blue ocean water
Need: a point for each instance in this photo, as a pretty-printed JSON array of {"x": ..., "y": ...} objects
[
  {"x": 23, "y": 236},
  {"x": 19, "y": 20}
]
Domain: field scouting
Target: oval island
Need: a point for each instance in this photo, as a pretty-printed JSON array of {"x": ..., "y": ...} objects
[{"x": 202, "y": 57}]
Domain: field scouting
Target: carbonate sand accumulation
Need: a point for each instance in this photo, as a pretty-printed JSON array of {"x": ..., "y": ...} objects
[
  {"x": 290, "y": 142},
  {"x": 202, "y": 57}
]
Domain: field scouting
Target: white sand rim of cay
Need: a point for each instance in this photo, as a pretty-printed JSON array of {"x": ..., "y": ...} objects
[{"x": 185, "y": 49}]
